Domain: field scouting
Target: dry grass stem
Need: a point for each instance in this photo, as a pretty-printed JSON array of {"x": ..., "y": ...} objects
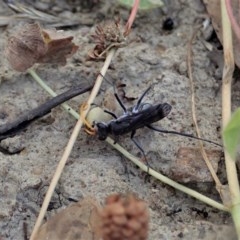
[
  {"x": 166, "y": 180},
  {"x": 70, "y": 145},
  {"x": 51, "y": 92},
  {"x": 193, "y": 104},
  {"x": 131, "y": 17},
  {"x": 226, "y": 114}
]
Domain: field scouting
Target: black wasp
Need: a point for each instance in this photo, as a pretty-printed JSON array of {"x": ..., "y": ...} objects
[{"x": 140, "y": 115}]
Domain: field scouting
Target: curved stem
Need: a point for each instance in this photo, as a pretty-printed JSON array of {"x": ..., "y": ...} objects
[
  {"x": 219, "y": 186},
  {"x": 166, "y": 180}
]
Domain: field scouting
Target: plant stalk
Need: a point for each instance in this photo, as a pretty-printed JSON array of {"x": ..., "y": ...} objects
[
  {"x": 50, "y": 91},
  {"x": 70, "y": 145},
  {"x": 226, "y": 115}
]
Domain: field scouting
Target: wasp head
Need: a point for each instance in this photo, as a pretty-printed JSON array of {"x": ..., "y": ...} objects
[{"x": 102, "y": 130}]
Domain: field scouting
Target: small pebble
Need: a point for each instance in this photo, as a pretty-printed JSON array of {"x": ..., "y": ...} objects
[{"x": 13, "y": 145}]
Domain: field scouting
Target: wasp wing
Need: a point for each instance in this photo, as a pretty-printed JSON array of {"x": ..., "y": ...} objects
[{"x": 133, "y": 121}]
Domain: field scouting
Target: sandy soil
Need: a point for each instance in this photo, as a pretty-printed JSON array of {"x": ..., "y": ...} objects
[{"x": 153, "y": 55}]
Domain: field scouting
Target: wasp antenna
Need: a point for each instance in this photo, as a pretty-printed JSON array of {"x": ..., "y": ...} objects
[
  {"x": 115, "y": 94},
  {"x": 141, "y": 98},
  {"x": 109, "y": 82}
]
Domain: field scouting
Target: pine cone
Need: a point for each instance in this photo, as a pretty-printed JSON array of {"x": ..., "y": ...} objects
[{"x": 124, "y": 218}]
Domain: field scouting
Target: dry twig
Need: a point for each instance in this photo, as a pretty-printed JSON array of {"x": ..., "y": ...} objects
[{"x": 190, "y": 75}]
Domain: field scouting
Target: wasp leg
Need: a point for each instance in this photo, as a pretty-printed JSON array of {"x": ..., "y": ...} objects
[
  {"x": 106, "y": 111},
  {"x": 89, "y": 129},
  {"x": 115, "y": 138},
  {"x": 120, "y": 102},
  {"x": 182, "y": 134},
  {"x": 140, "y": 148},
  {"x": 110, "y": 113},
  {"x": 116, "y": 96}
]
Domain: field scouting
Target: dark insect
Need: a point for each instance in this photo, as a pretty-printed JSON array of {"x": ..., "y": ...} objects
[
  {"x": 200, "y": 212},
  {"x": 139, "y": 116},
  {"x": 168, "y": 24},
  {"x": 173, "y": 212}
]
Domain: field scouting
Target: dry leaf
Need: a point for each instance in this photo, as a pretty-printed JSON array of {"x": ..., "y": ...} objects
[
  {"x": 79, "y": 221},
  {"x": 25, "y": 47},
  {"x": 59, "y": 47},
  {"x": 31, "y": 45},
  {"x": 214, "y": 10}
]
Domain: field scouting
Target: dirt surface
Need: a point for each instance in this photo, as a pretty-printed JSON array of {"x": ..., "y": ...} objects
[{"x": 153, "y": 56}]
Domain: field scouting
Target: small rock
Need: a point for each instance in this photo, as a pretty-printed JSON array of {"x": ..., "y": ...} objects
[
  {"x": 13, "y": 145},
  {"x": 190, "y": 166},
  {"x": 148, "y": 57},
  {"x": 38, "y": 170},
  {"x": 31, "y": 182},
  {"x": 182, "y": 68},
  {"x": 78, "y": 221}
]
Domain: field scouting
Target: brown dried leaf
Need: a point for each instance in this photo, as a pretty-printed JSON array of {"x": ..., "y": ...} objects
[
  {"x": 214, "y": 10},
  {"x": 59, "y": 47},
  {"x": 31, "y": 45},
  {"x": 25, "y": 47},
  {"x": 79, "y": 221}
]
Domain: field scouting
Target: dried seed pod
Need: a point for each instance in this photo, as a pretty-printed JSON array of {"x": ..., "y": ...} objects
[
  {"x": 25, "y": 47},
  {"x": 32, "y": 44},
  {"x": 107, "y": 35},
  {"x": 124, "y": 218}
]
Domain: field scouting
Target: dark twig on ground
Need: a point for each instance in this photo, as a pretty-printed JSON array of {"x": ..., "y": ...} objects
[{"x": 12, "y": 128}]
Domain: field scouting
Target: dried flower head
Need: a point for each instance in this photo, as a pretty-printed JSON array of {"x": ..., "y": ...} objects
[
  {"x": 32, "y": 44},
  {"x": 124, "y": 218},
  {"x": 107, "y": 35}
]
